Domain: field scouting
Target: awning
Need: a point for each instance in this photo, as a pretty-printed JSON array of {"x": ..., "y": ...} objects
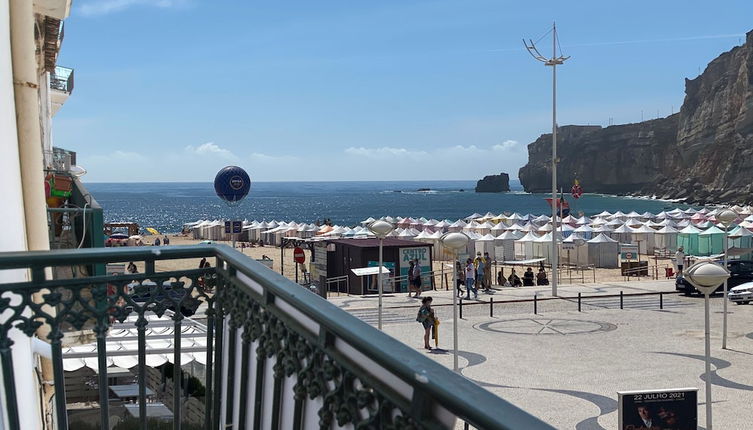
[
  {"x": 122, "y": 345},
  {"x": 365, "y": 271},
  {"x": 523, "y": 262}
]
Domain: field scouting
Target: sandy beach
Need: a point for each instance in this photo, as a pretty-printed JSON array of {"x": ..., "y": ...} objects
[{"x": 567, "y": 275}]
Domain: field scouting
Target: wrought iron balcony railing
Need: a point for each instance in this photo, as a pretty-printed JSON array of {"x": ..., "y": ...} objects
[
  {"x": 275, "y": 354},
  {"x": 62, "y": 79}
]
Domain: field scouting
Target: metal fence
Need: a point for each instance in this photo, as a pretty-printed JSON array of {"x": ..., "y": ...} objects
[{"x": 277, "y": 355}]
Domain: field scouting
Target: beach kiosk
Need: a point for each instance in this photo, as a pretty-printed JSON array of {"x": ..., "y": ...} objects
[{"x": 344, "y": 255}]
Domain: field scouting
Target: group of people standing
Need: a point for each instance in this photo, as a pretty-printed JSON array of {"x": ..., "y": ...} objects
[{"x": 476, "y": 275}]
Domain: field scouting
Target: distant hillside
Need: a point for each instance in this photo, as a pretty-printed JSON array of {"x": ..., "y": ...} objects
[{"x": 704, "y": 153}]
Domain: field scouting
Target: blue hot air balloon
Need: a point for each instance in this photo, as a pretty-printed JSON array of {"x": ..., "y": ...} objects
[{"x": 232, "y": 184}]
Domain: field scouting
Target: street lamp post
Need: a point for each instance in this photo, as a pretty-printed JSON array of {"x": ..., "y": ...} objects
[
  {"x": 455, "y": 241},
  {"x": 726, "y": 217},
  {"x": 381, "y": 229},
  {"x": 554, "y": 61},
  {"x": 705, "y": 277}
]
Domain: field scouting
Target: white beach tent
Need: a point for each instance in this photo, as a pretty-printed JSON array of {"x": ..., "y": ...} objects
[
  {"x": 622, "y": 234},
  {"x": 575, "y": 257},
  {"x": 584, "y": 232},
  {"x": 524, "y": 247},
  {"x": 498, "y": 229},
  {"x": 504, "y": 245},
  {"x": 484, "y": 228},
  {"x": 644, "y": 237},
  {"x": 457, "y": 226},
  {"x": 603, "y": 252},
  {"x": 565, "y": 230},
  {"x": 542, "y": 247},
  {"x": 485, "y": 244},
  {"x": 666, "y": 239}
]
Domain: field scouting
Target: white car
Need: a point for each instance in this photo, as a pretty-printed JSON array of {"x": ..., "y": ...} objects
[{"x": 741, "y": 294}]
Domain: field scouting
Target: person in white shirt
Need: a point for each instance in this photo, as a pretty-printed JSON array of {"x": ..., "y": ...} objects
[
  {"x": 470, "y": 277},
  {"x": 680, "y": 260}
]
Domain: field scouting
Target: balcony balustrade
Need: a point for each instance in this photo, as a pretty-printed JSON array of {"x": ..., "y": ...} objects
[{"x": 275, "y": 355}]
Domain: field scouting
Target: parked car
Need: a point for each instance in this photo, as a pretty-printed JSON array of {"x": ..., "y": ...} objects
[
  {"x": 741, "y": 294},
  {"x": 741, "y": 272}
]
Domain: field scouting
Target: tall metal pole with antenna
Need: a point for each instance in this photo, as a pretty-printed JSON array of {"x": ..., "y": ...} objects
[{"x": 553, "y": 61}]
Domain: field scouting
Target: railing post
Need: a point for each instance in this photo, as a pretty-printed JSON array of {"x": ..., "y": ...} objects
[
  {"x": 535, "y": 304},
  {"x": 491, "y": 307},
  {"x": 621, "y": 300},
  {"x": 461, "y": 308},
  {"x": 661, "y": 300},
  {"x": 578, "y": 302}
]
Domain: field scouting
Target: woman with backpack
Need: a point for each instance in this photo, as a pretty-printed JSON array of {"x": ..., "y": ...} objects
[{"x": 426, "y": 318}]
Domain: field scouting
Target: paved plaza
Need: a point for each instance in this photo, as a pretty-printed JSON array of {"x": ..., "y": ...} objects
[{"x": 566, "y": 366}]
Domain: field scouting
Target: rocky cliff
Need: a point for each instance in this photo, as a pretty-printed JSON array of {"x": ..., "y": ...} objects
[
  {"x": 703, "y": 154},
  {"x": 494, "y": 184}
]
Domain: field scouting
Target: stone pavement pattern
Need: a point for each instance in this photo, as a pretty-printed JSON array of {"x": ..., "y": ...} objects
[{"x": 566, "y": 366}]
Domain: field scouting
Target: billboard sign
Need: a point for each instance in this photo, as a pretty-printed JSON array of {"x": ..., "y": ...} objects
[
  {"x": 658, "y": 409},
  {"x": 421, "y": 253}
]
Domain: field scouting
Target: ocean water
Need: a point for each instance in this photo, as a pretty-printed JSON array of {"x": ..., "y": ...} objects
[{"x": 166, "y": 206}]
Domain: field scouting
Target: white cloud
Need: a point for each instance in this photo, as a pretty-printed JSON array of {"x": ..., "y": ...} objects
[
  {"x": 383, "y": 152},
  {"x": 211, "y": 148},
  {"x": 506, "y": 145},
  {"x": 116, "y": 157},
  {"x": 104, "y": 7}
]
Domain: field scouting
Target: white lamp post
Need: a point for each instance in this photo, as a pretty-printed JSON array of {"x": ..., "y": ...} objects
[
  {"x": 554, "y": 61},
  {"x": 726, "y": 217},
  {"x": 455, "y": 241},
  {"x": 705, "y": 277},
  {"x": 381, "y": 229}
]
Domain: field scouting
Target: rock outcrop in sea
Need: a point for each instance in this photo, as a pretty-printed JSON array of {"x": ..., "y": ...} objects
[
  {"x": 703, "y": 154},
  {"x": 494, "y": 184}
]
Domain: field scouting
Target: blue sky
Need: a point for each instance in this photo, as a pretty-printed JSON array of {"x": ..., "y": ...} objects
[{"x": 173, "y": 90}]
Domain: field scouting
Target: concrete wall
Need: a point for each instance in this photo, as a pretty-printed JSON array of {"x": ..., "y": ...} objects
[{"x": 14, "y": 238}]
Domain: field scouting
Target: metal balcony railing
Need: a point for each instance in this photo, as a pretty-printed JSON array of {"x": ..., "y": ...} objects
[
  {"x": 62, "y": 79},
  {"x": 276, "y": 355}
]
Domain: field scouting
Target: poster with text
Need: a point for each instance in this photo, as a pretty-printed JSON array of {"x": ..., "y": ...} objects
[
  {"x": 424, "y": 260},
  {"x": 675, "y": 409}
]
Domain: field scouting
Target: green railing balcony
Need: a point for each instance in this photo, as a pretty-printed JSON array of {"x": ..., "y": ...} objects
[{"x": 231, "y": 345}]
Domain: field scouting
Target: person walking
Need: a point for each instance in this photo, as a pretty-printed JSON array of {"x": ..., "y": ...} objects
[
  {"x": 426, "y": 318},
  {"x": 166, "y": 241},
  {"x": 480, "y": 283},
  {"x": 680, "y": 260},
  {"x": 488, "y": 272},
  {"x": 411, "y": 284},
  {"x": 417, "y": 277},
  {"x": 157, "y": 242},
  {"x": 459, "y": 279},
  {"x": 470, "y": 277}
]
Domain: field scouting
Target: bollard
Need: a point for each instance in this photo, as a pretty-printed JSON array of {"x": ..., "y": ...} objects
[
  {"x": 578, "y": 302},
  {"x": 621, "y": 300},
  {"x": 491, "y": 307},
  {"x": 461, "y": 308},
  {"x": 661, "y": 300},
  {"x": 535, "y": 304}
]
